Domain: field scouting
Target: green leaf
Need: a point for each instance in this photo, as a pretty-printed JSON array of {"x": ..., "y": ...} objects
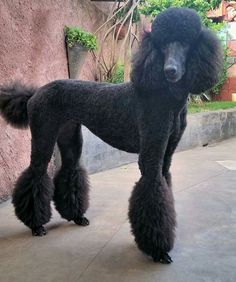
[{"x": 76, "y": 35}]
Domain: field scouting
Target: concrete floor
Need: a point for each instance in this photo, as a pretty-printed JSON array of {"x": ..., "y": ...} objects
[{"x": 205, "y": 248}]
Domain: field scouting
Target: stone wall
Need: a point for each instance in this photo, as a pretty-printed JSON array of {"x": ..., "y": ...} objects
[
  {"x": 32, "y": 50},
  {"x": 209, "y": 127},
  {"x": 202, "y": 129}
]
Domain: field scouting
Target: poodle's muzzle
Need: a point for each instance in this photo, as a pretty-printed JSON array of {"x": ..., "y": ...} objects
[{"x": 175, "y": 58}]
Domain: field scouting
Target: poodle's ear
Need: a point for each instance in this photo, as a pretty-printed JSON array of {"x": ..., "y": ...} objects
[
  {"x": 147, "y": 65},
  {"x": 205, "y": 63}
]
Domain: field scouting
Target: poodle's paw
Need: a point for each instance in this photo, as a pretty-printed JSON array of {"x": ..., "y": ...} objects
[
  {"x": 83, "y": 221},
  {"x": 163, "y": 258},
  {"x": 39, "y": 231}
]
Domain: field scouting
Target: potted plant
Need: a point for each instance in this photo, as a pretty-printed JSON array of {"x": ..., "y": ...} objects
[{"x": 79, "y": 43}]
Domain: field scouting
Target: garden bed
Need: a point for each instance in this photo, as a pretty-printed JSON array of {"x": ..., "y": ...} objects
[{"x": 210, "y": 106}]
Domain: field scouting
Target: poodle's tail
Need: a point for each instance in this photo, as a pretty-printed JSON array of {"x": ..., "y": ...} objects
[{"x": 13, "y": 103}]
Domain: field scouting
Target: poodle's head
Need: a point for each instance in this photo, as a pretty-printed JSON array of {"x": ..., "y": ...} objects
[{"x": 177, "y": 53}]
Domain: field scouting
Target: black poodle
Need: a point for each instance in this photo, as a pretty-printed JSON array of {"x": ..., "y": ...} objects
[{"x": 145, "y": 116}]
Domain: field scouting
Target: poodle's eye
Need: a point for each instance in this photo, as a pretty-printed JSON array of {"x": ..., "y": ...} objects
[{"x": 164, "y": 49}]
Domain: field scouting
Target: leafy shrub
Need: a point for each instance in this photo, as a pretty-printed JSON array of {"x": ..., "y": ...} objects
[
  {"x": 154, "y": 7},
  {"x": 76, "y": 35},
  {"x": 223, "y": 75},
  {"x": 118, "y": 74}
]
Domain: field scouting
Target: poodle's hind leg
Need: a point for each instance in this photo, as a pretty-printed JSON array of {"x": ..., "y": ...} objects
[
  {"x": 71, "y": 182},
  {"x": 34, "y": 189}
]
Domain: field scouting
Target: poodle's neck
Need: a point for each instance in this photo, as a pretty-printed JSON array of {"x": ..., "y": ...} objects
[
  {"x": 168, "y": 91},
  {"x": 178, "y": 91}
]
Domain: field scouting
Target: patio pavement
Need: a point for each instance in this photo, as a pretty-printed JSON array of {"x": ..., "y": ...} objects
[{"x": 205, "y": 248}]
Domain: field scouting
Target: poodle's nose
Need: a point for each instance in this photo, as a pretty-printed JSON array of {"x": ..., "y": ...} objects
[{"x": 170, "y": 71}]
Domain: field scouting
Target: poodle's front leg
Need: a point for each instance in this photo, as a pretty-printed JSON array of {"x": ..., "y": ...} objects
[
  {"x": 180, "y": 125},
  {"x": 151, "y": 206}
]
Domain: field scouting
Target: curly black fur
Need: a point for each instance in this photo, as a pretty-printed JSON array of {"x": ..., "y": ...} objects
[
  {"x": 152, "y": 217},
  {"x": 71, "y": 181},
  {"x": 185, "y": 27},
  {"x": 31, "y": 198},
  {"x": 145, "y": 116},
  {"x": 71, "y": 193},
  {"x": 204, "y": 63},
  {"x": 13, "y": 104}
]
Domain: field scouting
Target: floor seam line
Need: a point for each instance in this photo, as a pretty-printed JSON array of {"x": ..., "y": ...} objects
[
  {"x": 103, "y": 247},
  {"x": 192, "y": 186}
]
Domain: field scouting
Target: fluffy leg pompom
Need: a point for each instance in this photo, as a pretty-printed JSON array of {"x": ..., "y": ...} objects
[
  {"x": 152, "y": 218},
  {"x": 71, "y": 194},
  {"x": 31, "y": 199}
]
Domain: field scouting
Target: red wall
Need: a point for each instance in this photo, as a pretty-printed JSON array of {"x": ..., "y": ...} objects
[
  {"x": 32, "y": 50},
  {"x": 228, "y": 88}
]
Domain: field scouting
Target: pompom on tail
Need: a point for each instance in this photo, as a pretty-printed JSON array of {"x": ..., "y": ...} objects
[{"x": 13, "y": 103}]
